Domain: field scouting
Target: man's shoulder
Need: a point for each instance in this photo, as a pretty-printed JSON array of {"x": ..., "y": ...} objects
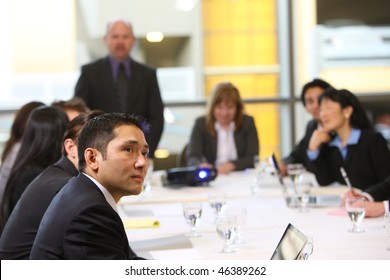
[
  {"x": 142, "y": 66},
  {"x": 96, "y": 63}
]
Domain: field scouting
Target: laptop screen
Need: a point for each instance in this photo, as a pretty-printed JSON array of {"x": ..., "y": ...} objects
[{"x": 290, "y": 245}]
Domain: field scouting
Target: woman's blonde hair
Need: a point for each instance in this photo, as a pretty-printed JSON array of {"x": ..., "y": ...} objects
[{"x": 224, "y": 92}]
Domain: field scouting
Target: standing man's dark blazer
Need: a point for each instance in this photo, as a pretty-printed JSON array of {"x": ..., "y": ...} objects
[
  {"x": 21, "y": 228},
  {"x": 80, "y": 224},
  {"x": 298, "y": 155},
  {"x": 96, "y": 87},
  {"x": 203, "y": 146}
]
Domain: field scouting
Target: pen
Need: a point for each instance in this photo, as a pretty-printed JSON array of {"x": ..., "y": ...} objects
[{"x": 345, "y": 176}]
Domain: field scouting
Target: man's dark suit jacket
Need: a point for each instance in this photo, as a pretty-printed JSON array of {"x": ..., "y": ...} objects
[
  {"x": 203, "y": 146},
  {"x": 380, "y": 191},
  {"x": 80, "y": 224},
  {"x": 367, "y": 162},
  {"x": 96, "y": 87},
  {"x": 298, "y": 155},
  {"x": 19, "y": 233}
]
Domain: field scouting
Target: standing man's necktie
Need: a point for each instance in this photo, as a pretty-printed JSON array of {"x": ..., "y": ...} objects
[{"x": 122, "y": 88}]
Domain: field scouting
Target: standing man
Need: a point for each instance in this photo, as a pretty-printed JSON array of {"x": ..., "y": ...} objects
[
  {"x": 82, "y": 221},
  {"x": 117, "y": 83},
  {"x": 309, "y": 97}
]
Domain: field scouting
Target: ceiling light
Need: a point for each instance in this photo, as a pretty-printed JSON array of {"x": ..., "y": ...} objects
[{"x": 154, "y": 37}]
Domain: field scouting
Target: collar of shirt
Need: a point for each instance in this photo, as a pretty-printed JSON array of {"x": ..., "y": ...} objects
[
  {"x": 114, "y": 64},
  {"x": 105, "y": 192},
  {"x": 353, "y": 140},
  {"x": 226, "y": 147},
  {"x": 231, "y": 127}
]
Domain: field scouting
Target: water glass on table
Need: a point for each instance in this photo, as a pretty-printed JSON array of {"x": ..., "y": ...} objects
[
  {"x": 241, "y": 216},
  {"x": 307, "y": 250},
  {"x": 302, "y": 194},
  {"x": 226, "y": 226},
  {"x": 356, "y": 209},
  {"x": 294, "y": 171},
  {"x": 192, "y": 213},
  {"x": 217, "y": 201}
]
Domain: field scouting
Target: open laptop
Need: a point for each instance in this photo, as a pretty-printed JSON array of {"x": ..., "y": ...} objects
[
  {"x": 314, "y": 200},
  {"x": 290, "y": 245}
]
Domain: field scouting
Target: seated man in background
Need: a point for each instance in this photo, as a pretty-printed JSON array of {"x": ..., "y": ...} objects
[
  {"x": 309, "y": 97},
  {"x": 82, "y": 221},
  {"x": 72, "y": 107}
]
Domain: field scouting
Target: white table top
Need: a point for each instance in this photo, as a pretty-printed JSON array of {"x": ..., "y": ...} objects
[{"x": 267, "y": 217}]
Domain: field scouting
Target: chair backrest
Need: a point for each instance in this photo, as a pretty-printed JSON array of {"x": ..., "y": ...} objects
[{"x": 181, "y": 160}]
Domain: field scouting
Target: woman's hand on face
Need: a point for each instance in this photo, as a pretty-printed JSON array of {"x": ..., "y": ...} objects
[{"x": 319, "y": 136}]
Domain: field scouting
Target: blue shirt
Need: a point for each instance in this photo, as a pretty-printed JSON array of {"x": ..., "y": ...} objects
[{"x": 336, "y": 142}]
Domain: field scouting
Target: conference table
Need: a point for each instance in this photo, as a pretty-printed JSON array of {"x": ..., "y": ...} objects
[{"x": 156, "y": 227}]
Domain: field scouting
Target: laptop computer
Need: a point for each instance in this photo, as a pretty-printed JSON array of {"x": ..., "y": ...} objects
[
  {"x": 314, "y": 200},
  {"x": 290, "y": 245}
]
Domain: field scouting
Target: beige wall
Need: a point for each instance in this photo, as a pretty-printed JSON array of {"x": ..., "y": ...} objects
[{"x": 43, "y": 35}]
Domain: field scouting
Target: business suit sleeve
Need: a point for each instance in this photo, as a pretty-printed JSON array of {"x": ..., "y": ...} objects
[
  {"x": 380, "y": 158},
  {"x": 96, "y": 232},
  {"x": 155, "y": 113},
  {"x": 380, "y": 191},
  {"x": 247, "y": 144},
  {"x": 82, "y": 88},
  {"x": 195, "y": 152},
  {"x": 298, "y": 154},
  {"x": 321, "y": 167}
]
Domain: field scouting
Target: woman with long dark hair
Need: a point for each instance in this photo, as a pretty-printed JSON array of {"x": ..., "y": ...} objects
[
  {"x": 347, "y": 139},
  {"x": 40, "y": 147},
  {"x": 12, "y": 146}
]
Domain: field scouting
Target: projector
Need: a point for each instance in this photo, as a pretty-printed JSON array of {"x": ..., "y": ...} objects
[{"x": 192, "y": 176}]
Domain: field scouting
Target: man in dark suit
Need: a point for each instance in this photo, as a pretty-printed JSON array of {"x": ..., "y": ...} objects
[
  {"x": 82, "y": 221},
  {"x": 22, "y": 226},
  {"x": 309, "y": 97},
  {"x": 117, "y": 83}
]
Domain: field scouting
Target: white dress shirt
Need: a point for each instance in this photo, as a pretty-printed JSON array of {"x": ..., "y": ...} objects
[
  {"x": 105, "y": 192},
  {"x": 226, "y": 146}
]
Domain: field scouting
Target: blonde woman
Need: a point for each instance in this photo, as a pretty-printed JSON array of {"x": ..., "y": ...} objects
[{"x": 225, "y": 137}]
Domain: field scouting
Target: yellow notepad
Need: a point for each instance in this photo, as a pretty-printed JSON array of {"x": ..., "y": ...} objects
[{"x": 141, "y": 223}]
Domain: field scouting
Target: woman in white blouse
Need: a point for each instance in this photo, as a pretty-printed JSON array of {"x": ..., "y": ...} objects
[{"x": 225, "y": 138}]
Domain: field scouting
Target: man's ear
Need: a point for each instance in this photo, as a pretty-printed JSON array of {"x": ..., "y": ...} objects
[
  {"x": 91, "y": 158},
  {"x": 70, "y": 148}
]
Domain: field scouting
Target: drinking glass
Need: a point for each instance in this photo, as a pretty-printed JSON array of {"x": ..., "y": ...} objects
[
  {"x": 355, "y": 207},
  {"x": 302, "y": 194},
  {"x": 240, "y": 213},
  {"x": 255, "y": 188},
  {"x": 386, "y": 218},
  {"x": 217, "y": 202},
  {"x": 257, "y": 163},
  {"x": 307, "y": 250},
  {"x": 294, "y": 171},
  {"x": 192, "y": 213},
  {"x": 226, "y": 226}
]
